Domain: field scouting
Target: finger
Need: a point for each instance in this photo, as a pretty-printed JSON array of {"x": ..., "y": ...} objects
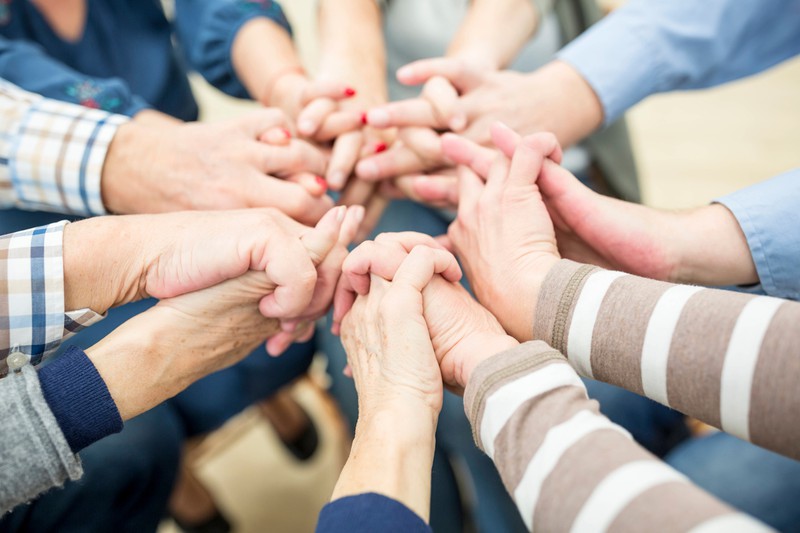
[
  {"x": 260, "y": 121},
  {"x": 498, "y": 175},
  {"x": 462, "y": 151},
  {"x": 319, "y": 240},
  {"x": 547, "y": 144},
  {"x": 525, "y": 166},
  {"x": 297, "y": 156},
  {"x": 420, "y": 150},
  {"x": 348, "y": 371},
  {"x": 470, "y": 188},
  {"x": 345, "y": 154},
  {"x": 443, "y": 97},
  {"x": 333, "y": 90},
  {"x": 419, "y": 267},
  {"x": 350, "y": 226},
  {"x": 357, "y": 192},
  {"x": 294, "y": 275},
  {"x": 413, "y": 112},
  {"x": 343, "y": 299},
  {"x": 441, "y": 191},
  {"x": 336, "y": 124},
  {"x": 313, "y": 115},
  {"x": 445, "y": 242},
  {"x": 291, "y": 198},
  {"x": 315, "y": 185},
  {"x": 372, "y": 215},
  {"x": 276, "y": 136},
  {"x": 461, "y": 76},
  {"x": 504, "y": 138}
]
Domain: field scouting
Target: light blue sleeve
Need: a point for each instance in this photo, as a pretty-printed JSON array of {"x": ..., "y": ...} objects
[
  {"x": 652, "y": 46},
  {"x": 206, "y": 30},
  {"x": 29, "y": 67},
  {"x": 769, "y": 215}
]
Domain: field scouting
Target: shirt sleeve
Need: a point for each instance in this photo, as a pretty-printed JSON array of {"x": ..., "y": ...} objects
[
  {"x": 769, "y": 217},
  {"x": 33, "y": 321},
  {"x": 652, "y": 46},
  {"x": 25, "y": 64},
  {"x": 34, "y": 455},
  {"x": 366, "y": 513},
  {"x": 52, "y": 153},
  {"x": 723, "y": 357},
  {"x": 206, "y": 30},
  {"x": 569, "y": 468}
]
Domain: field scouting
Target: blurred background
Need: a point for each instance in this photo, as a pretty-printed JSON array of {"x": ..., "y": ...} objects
[{"x": 689, "y": 147}]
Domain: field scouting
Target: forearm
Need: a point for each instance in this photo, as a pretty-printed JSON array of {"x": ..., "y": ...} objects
[
  {"x": 494, "y": 31},
  {"x": 726, "y": 358},
  {"x": 392, "y": 454},
  {"x": 565, "y": 464},
  {"x": 258, "y": 73},
  {"x": 352, "y": 49},
  {"x": 711, "y": 248}
]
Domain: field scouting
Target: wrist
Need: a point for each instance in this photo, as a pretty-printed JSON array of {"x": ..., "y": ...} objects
[
  {"x": 484, "y": 347},
  {"x": 710, "y": 248},
  {"x": 518, "y": 319},
  {"x": 101, "y": 267}
]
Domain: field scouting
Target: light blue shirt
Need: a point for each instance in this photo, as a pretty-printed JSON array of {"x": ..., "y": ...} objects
[
  {"x": 652, "y": 46},
  {"x": 769, "y": 215}
]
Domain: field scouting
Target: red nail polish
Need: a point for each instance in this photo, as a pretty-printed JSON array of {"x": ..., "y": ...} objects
[
  {"x": 363, "y": 118},
  {"x": 349, "y": 91},
  {"x": 287, "y": 133},
  {"x": 321, "y": 182},
  {"x": 380, "y": 147}
]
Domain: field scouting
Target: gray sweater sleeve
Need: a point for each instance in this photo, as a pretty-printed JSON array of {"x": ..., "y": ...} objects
[{"x": 34, "y": 455}]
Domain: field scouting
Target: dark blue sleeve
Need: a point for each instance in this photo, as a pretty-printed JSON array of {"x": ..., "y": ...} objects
[
  {"x": 29, "y": 67},
  {"x": 369, "y": 512},
  {"x": 206, "y": 30},
  {"x": 79, "y": 399}
]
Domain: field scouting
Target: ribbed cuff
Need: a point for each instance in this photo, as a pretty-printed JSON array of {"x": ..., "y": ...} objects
[
  {"x": 367, "y": 513},
  {"x": 79, "y": 399}
]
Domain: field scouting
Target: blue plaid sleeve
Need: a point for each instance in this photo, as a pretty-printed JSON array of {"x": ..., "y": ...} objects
[
  {"x": 33, "y": 320},
  {"x": 52, "y": 153}
]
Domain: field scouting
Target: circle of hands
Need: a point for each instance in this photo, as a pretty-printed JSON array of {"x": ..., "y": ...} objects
[{"x": 408, "y": 325}]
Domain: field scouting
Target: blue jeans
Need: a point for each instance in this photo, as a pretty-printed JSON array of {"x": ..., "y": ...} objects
[
  {"x": 758, "y": 482},
  {"x": 129, "y": 476}
]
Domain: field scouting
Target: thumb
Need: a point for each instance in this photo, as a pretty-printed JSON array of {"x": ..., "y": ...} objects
[{"x": 260, "y": 121}]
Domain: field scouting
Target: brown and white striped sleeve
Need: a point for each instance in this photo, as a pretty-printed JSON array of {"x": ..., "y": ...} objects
[
  {"x": 568, "y": 467},
  {"x": 729, "y": 359}
]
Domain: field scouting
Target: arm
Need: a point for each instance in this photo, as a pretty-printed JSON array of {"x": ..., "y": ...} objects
[
  {"x": 214, "y": 34},
  {"x": 27, "y": 66},
  {"x": 726, "y": 358},
  {"x": 565, "y": 464},
  {"x": 665, "y": 46}
]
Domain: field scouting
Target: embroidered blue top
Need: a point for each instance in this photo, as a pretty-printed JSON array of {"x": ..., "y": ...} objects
[{"x": 125, "y": 60}]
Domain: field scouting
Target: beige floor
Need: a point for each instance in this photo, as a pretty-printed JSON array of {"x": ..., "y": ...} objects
[{"x": 690, "y": 147}]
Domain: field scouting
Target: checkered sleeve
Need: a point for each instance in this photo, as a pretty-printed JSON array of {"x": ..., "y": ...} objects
[
  {"x": 33, "y": 320},
  {"x": 52, "y": 153}
]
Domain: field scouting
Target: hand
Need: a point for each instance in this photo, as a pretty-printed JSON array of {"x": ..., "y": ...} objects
[
  {"x": 167, "y": 255},
  {"x": 211, "y": 166},
  {"x": 155, "y": 355},
  {"x": 554, "y": 98},
  {"x": 462, "y": 332},
  {"x": 503, "y": 233},
  {"x": 437, "y": 189}
]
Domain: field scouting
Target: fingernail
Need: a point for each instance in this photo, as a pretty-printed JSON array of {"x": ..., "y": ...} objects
[
  {"x": 342, "y": 210},
  {"x": 287, "y": 133},
  {"x": 364, "y": 118},
  {"x": 359, "y": 216},
  {"x": 349, "y": 91},
  {"x": 378, "y": 118},
  {"x": 404, "y": 72},
  {"x": 367, "y": 169},
  {"x": 306, "y": 126},
  {"x": 321, "y": 182},
  {"x": 380, "y": 147}
]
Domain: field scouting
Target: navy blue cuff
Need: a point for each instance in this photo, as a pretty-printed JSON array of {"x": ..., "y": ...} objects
[
  {"x": 368, "y": 513},
  {"x": 79, "y": 399}
]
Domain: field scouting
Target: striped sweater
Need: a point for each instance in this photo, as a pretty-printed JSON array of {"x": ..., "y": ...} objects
[{"x": 729, "y": 359}]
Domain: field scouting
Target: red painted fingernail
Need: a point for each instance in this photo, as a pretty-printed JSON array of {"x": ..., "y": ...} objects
[
  {"x": 363, "y": 118},
  {"x": 287, "y": 133},
  {"x": 349, "y": 91},
  {"x": 380, "y": 147},
  {"x": 321, "y": 182}
]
